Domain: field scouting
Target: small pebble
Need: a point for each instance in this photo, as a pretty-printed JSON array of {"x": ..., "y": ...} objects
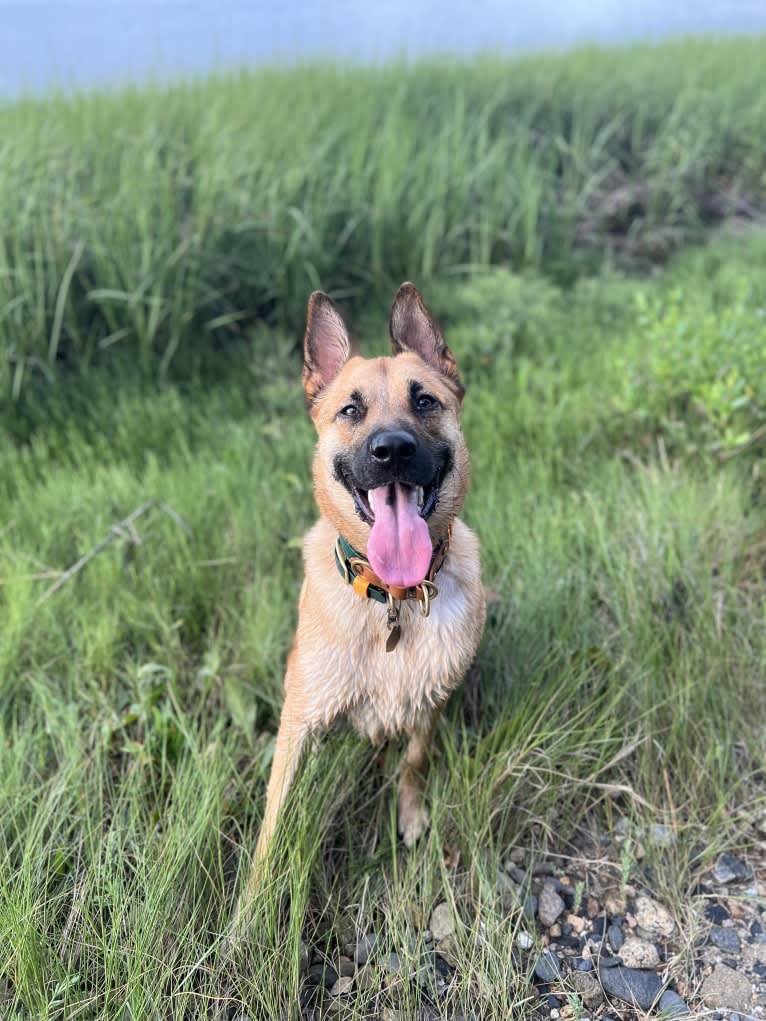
[
  {"x": 323, "y": 974},
  {"x": 654, "y": 918},
  {"x": 615, "y": 905},
  {"x": 725, "y": 939},
  {"x": 716, "y": 913},
  {"x": 582, "y": 964},
  {"x": 548, "y": 967},
  {"x": 551, "y": 906},
  {"x": 671, "y": 1005},
  {"x": 574, "y": 922},
  {"x": 517, "y": 875},
  {"x": 615, "y": 937},
  {"x": 729, "y": 868},
  {"x": 573, "y": 942},
  {"x": 631, "y": 985},
  {"x": 589, "y": 988},
  {"x": 343, "y": 985},
  {"x": 442, "y": 923},
  {"x": 346, "y": 967},
  {"x": 364, "y": 947},
  {"x": 639, "y": 953},
  {"x": 524, "y": 940},
  {"x": 726, "y": 987}
]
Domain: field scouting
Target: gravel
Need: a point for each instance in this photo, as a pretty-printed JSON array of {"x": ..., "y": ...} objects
[
  {"x": 725, "y": 987},
  {"x": 631, "y": 985},
  {"x": 729, "y": 869},
  {"x": 615, "y": 937},
  {"x": 548, "y": 967},
  {"x": 654, "y": 919},
  {"x": 672, "y": 1005},
  {"x": 639, "y": 953},
  {"x": 725, "y": 939},
  {"x": 551, "y": 905},
  {"x": 716, "y": 913},
  {"x": 589, "y": 987},
  {"x": 442, "y": 923},
  {"x": 343, "y": 985}
]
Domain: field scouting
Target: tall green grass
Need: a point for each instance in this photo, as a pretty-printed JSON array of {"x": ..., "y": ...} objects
[
  {"x": 162, "y": 222},
  {"x": 621, "y": 674}
]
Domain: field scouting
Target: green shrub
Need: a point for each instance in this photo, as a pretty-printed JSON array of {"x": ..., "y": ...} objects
[{"x": 701, "y": 377}]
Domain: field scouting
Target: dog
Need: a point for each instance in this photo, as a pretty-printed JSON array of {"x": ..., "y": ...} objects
[{"x": 392, "y": 607}]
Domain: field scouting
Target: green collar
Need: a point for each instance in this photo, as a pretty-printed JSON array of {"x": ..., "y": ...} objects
[{"x": 355, "y": 570}]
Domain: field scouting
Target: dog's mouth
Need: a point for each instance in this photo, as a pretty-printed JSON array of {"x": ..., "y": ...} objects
[
  {"x": 399, "y": 546},
  {"x": 426, "y": 498}
]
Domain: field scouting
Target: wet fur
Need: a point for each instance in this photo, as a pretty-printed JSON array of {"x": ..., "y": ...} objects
[{"x": 338, "y": 666}]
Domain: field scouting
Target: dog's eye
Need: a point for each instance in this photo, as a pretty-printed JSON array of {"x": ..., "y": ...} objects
[
  {"x": 350, "y": 411},
  {"x": 425, "y": 402}
]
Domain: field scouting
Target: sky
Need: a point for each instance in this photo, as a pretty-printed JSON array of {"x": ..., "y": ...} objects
[{"x": 82, "y": 43}]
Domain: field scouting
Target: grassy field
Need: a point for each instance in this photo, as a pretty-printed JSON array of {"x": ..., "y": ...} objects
[
  {"x": 162, "y": 223},
  {"x": 617, "y": 436}
]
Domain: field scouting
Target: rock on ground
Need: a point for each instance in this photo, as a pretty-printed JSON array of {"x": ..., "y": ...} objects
[
  {"x": 672, "y": 1005},
  {"x": 548, "y": 967},
  {"x": 725, "y": 939},
  {"x": 342, "y": 986},
  {"x": 550, "y": 906},
  {"x": 727, "y": 988},
  {"x": 729, "y": 868},
  {"x": 639, "y": 953},
  {"x": 631, "y": 985},
  {"x": 442, "y": 923},
  {"x": 589, "y": 987},
  {"x": 653, "y": 918}
]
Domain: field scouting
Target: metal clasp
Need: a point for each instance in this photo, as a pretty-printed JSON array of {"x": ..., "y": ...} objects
[
  {"x": 394, "y": 606},
  {"x": 430, "y": 591}
]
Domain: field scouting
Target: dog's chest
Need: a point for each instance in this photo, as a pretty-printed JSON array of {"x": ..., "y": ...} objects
[{"x": 384, "y": 692}]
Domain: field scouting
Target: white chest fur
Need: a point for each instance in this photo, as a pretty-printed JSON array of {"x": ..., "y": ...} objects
[{"x": 350, "y": 673}]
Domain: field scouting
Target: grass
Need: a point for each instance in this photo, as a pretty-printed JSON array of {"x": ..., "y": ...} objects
[
  {"x": 164, "y": 222},
  {"x": 620, "y": 676}
]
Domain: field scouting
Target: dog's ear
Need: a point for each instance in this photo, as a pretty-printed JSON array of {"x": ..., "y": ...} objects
[
  {"x": 412, "y": 329},
  {"x": 327, "y": 345}
]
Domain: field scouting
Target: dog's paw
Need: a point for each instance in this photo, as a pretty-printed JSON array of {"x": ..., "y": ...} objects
[{"x": 413, "y": 821}]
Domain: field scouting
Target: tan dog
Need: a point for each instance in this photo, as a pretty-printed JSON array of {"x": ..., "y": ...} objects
[{"x": 392, "y": 612}]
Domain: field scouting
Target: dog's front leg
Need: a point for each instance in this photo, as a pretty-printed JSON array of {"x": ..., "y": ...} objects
[
  {"x": 291, "y": 740},
  {"x": 413, "y": 816}
]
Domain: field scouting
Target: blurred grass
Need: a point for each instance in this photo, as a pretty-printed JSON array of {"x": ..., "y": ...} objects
[
  {"x": 620, "y": 675},
  {"x": 163, "y": 222}
]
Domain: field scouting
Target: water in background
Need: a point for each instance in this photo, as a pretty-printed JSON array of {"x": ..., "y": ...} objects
[{"x": 79, "y": 43}]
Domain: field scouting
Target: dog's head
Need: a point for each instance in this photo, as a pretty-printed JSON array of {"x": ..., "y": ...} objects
[{"x": 391, "y": 466}]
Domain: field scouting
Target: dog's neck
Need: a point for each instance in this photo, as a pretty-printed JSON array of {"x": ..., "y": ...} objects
[{"x": 356, "y": 570}]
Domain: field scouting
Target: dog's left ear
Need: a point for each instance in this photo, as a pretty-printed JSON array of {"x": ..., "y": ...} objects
[
  {"x": 413, "y": 329},
  {"x": 327, "y": 345}
]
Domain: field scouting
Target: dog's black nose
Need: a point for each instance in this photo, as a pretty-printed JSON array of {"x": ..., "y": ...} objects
[{"x": 392, "y": 448}]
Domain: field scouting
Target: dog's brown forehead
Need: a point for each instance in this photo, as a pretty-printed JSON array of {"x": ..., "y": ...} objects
[{"x": 385, "y": 384}]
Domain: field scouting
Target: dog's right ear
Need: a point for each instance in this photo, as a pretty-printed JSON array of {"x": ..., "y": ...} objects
[{"x": 327, "y": 345}]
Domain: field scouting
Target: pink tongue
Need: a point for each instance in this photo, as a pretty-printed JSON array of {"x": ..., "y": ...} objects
[{"x": 399, "y": 547}]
